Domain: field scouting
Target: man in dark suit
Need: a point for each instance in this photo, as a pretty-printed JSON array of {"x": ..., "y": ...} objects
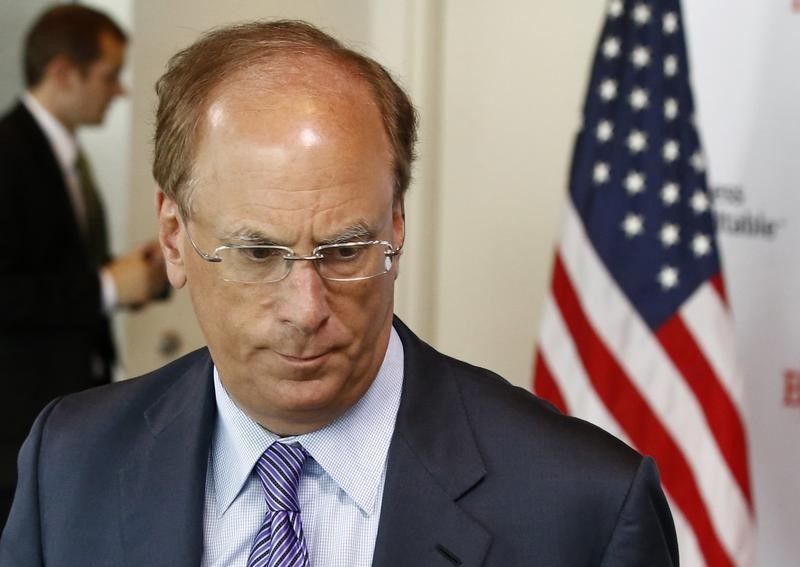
[
  {"x": 316, "y": 429},
  {"x": 58, "y": 280}
]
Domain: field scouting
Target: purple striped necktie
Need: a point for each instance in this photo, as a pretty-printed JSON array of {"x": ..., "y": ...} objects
[{"x": 280, "y": 542}]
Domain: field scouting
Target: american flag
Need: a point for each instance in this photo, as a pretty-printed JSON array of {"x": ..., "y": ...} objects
[{"x": 637, "y": 335}]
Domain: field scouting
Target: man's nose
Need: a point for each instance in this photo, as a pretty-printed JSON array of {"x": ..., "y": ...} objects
[{"x": 304, "y": 300}]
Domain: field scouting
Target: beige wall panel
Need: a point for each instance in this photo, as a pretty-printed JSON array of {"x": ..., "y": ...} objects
[{"x": 512, "y": 89}]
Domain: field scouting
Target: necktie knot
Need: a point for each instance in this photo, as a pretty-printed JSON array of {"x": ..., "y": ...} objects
[{"x": 279, "y": 470}]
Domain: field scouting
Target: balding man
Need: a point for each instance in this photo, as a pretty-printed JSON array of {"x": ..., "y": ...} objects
[{"x": 316, "y": 428}]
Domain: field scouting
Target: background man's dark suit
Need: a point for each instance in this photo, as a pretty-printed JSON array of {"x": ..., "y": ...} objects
[
  {"x": 54, "y": 337},
  {"x": 479, "y": 473}
]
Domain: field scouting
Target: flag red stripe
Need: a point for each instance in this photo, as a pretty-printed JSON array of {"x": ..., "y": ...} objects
[
  {"x": 719, "y": 284},
  {"x": 635, "y": 416},
  {"x": 545, "y": 386},
  {"x": 721, "y": 414}
]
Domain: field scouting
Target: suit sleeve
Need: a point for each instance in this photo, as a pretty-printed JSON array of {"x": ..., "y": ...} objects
[
  {"x": 21, "y": 542},
  {"x": 644, "y": 533}
]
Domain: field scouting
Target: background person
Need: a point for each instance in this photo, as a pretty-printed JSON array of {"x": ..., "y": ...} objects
[{"x": 58, "y": 280}]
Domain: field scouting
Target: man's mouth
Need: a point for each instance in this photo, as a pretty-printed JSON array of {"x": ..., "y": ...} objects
[{"x": 303, "y": 359}]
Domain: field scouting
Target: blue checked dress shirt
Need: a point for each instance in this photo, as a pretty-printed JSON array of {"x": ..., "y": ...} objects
[{"x": 340, "y": 491}]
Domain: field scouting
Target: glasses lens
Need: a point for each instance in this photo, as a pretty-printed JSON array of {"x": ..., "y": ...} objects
[
  {"x": 354, "y": 261},
  {"x": 253, "y": 264}
]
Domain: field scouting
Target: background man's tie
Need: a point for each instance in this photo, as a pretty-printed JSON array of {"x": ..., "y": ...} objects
[
  {"x": 94, "y": 221},
  {"x": 280, "y": 541}
]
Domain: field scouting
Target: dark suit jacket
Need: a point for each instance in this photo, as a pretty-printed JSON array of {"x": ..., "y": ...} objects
[
  {"x": 479, "y": 473},
  {"x": 51, "y": 322}
]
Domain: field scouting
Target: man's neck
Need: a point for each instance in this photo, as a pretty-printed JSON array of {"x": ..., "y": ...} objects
[{"x": 48, "y": 99}]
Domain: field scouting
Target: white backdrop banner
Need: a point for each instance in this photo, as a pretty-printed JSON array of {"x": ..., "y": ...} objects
[{"x": 746, "y": 79}]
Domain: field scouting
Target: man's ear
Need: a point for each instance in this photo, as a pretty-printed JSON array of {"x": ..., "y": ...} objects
[
  {"x": 170, "y": 236},
  {"x": 61, "y": 70},
  {"x": 398, "y": 229},
  {"x": 399, "y": 222}
]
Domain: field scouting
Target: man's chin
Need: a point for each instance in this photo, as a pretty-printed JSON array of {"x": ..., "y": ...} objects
[{"x": 307, "y": 406}]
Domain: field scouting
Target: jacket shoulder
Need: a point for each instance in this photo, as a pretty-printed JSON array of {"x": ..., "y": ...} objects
[
  {"x": 16, "y": 122},
  {"x": 110, "y": 409},
  {"x": 23, "y": 145},
  {"x": 506, "y": 419},
  {"x": 500, "y": 410}
]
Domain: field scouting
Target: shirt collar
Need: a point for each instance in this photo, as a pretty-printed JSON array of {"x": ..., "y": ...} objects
[
  {"x": 352, "y": 449},
  {"x": 63, "y": 142}
]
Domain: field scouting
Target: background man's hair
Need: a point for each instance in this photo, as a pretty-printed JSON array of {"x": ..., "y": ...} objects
[
  {"x": 69, "y": 30},
  {"x": 185, "y": 91}
]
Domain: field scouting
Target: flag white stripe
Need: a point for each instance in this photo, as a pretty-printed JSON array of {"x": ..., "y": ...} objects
[
  {"x": 688, "y": 550},
  {"x": 559, "y": 351},
  {"x": 711, "y": 325},
  {"x": 653, "y": 374}
]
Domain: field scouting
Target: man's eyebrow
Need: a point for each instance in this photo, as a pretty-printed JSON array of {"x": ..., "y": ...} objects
[
  {"x": 356, "y": 232},
  {"x": 360, "y": 231},
  {"x": 249, "y": 236}
]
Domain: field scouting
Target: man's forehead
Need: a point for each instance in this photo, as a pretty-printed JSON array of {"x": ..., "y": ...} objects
[
  {"x": 277, "y": 141},
  {"x": 301, "y": 120},
  {"x": 267, "y": 224},
  {"x": 296, "y": 84}
]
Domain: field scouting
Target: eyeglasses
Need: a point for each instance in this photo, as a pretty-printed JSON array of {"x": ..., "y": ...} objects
[{"x": 344, "y": 262}]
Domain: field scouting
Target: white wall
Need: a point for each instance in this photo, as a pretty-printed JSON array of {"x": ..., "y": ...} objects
[
  {"x": 15, "y": 19},
  {"x": 747, "y": 90}
]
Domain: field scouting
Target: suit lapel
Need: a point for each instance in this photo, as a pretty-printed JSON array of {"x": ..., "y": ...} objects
[
  {"x": 163, "y": 486},
  {"x": 433, "y": 461},
  {"x": 47, "y": 181}
]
